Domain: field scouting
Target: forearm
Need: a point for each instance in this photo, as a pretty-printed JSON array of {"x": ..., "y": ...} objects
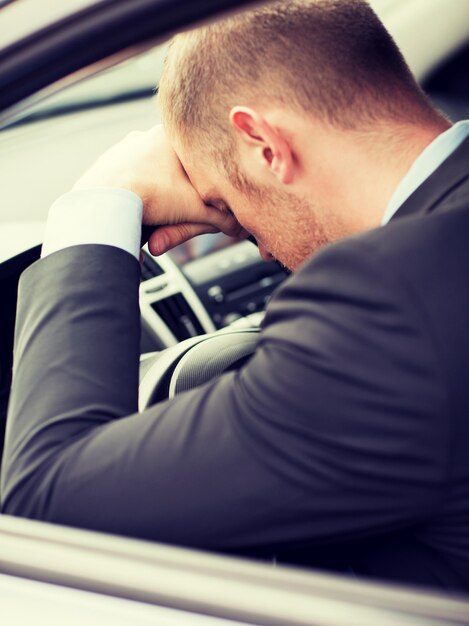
[
  {"x": 77, "y": 453},
  {"x": 76, "y": 354}
]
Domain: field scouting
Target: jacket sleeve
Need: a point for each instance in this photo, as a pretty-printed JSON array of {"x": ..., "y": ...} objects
[{"x": 333, "y": 430}]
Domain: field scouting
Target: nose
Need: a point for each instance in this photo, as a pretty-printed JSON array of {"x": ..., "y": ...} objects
[{"x": 265, "y": 254}]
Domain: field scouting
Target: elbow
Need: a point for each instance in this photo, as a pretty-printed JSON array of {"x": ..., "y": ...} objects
[
  {"x": 26, "y": 497},
  {"x": 16, "y": 503}
]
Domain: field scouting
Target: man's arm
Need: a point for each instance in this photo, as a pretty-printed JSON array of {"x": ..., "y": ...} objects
[{"x": 332, "y": 431}]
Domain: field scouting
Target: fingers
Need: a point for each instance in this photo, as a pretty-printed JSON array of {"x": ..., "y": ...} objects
[{"x": 166, "y": 237}]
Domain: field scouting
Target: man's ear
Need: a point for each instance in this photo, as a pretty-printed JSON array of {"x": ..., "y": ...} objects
[{"x": 273, "y": 149}]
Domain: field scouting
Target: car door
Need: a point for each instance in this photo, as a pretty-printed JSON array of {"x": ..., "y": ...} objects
[{"x": 142, "y": 582}]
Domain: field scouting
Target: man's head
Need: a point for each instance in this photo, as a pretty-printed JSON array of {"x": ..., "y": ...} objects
[{"x": 272, "y": 112}]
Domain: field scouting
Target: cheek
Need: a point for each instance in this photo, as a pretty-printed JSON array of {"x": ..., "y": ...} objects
[
  {"x": 246, "y": 214},
  {"x": 253, "y": 208},
  {"x": 239, "y": 204}
]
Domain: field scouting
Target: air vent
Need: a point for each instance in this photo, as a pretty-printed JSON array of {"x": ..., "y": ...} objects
[
  {"x": 150, "y": 267},
  {"x": 178, "y": 317}
]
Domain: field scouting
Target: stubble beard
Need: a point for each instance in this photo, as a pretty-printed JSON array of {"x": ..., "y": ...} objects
[{"x": 288, "y": 226}]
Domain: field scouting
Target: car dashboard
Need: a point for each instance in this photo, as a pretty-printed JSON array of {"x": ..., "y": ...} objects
[{"x": 203, "y": 285}]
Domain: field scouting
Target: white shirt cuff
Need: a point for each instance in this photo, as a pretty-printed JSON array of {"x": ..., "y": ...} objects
[{"x": 111, "y": 217}]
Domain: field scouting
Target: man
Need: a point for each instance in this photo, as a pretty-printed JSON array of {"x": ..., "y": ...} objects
[{"x": 343, "y": 442}]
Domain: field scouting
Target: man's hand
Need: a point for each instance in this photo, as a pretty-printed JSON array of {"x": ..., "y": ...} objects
[{"x": 145, "y": 163}]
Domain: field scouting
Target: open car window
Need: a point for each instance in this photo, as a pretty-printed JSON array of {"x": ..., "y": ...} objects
[{"x": 204, "y": 286}]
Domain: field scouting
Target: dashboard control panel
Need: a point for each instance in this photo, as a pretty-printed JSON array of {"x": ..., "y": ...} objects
[
  {"x": 183, "y": 295},
  {"x": 233, "y": 282}
]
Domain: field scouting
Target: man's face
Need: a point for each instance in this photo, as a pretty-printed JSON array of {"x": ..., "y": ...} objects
[{"x": 285, "y": 225}]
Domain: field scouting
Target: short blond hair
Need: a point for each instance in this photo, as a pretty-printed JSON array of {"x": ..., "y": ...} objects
[{"x": 330, "y": 58}]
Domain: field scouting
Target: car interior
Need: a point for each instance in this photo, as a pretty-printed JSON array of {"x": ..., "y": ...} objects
[
  {"x": 204, "y": 286},
  {"x": 202, "y": 304}
]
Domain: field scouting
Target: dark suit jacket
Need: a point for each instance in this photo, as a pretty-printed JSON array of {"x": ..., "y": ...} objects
[{"x": 344, "y": 439}]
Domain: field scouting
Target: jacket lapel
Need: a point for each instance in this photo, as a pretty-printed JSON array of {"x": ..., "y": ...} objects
[{"x": 450, "y": 174}]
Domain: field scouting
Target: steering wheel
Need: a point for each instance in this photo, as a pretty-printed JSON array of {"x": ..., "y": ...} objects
[{"x": 193, "y": 362}]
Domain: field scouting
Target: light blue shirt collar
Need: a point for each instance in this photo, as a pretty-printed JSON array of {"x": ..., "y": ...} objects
[{"x": 425, "y": 164}]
